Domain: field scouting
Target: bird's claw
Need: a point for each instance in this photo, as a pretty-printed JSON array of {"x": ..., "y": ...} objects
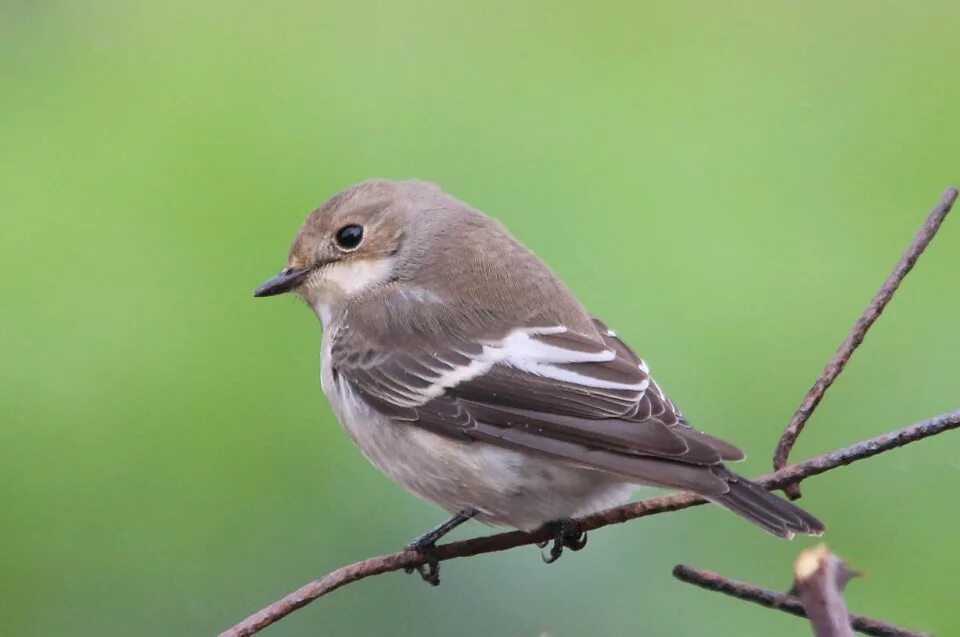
[
  {"x": 426, "y": 545},
  {"x": 429, "y": 570},
  {"x": 575, "y": 542},
  {"x": 555, "y": 552},
  {"x": 565, "y": 535}
]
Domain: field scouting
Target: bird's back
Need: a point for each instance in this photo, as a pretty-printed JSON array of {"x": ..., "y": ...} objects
[{"x": 481, "y": 275}]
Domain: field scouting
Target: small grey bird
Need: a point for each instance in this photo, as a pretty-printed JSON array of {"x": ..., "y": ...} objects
[{"x": 469, "y": 373}]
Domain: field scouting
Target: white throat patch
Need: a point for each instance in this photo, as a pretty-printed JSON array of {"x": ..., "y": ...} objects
[{"x": 339, "y": 281}]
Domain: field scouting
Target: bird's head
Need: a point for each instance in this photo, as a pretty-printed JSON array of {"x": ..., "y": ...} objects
[{"x": 358, "y": 239}]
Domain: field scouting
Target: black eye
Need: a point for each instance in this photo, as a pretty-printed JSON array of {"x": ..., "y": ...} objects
[{"x": 349, "y": 237}]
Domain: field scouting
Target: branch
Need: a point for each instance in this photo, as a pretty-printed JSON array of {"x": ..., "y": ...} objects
[
  {"x": 780, "y": 601},
  {"x": 877, "y": 304},
  {"x": 651, "y": 506},
  {"x": 819, "y": 580}
]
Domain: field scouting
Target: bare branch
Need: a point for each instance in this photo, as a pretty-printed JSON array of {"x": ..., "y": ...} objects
[
  {"x": 779, "y": 601},
  {"x": 830, "y": 373},
  {"x": 651, "y": 506}
]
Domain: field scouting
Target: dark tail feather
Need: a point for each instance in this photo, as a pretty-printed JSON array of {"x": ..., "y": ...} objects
[{"x": 769, "y": 512}]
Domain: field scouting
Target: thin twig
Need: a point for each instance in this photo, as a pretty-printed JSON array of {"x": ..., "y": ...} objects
[
  {"x": 779, "y": 601},
  {"x": 819, "y": 580},
  {"x": 651, "y": 506},
  {"x": 877, "y": 304}
]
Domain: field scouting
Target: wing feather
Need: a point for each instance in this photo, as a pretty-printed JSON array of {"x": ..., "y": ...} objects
[{"x": 586, "y": 398}]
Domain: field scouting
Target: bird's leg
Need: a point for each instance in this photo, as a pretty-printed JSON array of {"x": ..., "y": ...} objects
[
  {"x": 426, "y": 545},
  {"x": 566, "y": 534},
  {"x": 430, "y": 538}
]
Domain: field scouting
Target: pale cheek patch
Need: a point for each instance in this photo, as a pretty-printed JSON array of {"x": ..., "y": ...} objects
[{"x": 347, "y": 279}]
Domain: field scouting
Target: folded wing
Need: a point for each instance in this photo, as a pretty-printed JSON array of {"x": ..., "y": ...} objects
[{"x": 585, "y": 398}]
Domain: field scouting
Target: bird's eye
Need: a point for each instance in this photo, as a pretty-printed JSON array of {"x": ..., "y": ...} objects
[{"x": 349, "y": 237}]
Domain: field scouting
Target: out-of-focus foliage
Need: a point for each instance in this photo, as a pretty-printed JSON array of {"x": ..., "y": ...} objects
[{"x": 725, "y": 185}]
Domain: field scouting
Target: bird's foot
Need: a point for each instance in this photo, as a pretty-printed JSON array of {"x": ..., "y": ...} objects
[
  {"x": 426, "y": 545},
  {"x": 430, "y": 570},
  {"x": 566, "y": 534}
]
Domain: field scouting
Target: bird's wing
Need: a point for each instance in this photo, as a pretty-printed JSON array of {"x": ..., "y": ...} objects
[{"x": 586, "y": 398}]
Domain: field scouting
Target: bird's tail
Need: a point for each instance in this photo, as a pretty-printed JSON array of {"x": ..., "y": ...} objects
[{"x": 769, "y": 512}]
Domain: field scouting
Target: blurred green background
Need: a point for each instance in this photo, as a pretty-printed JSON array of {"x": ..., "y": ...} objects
[{"x": 725, "y": 185}]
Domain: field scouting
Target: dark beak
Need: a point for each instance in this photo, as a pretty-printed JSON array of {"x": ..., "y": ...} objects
[{"x": 284, "y": 282}]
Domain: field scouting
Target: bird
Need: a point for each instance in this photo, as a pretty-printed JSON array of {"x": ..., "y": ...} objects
[{"x": 467, "y": 371}]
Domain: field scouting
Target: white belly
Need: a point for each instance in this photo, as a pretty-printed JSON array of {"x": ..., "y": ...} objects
[{"x": 506, "y": 487}]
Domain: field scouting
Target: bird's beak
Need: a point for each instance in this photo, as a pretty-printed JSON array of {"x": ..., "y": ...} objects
[{"x": 287, "y": 280}]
